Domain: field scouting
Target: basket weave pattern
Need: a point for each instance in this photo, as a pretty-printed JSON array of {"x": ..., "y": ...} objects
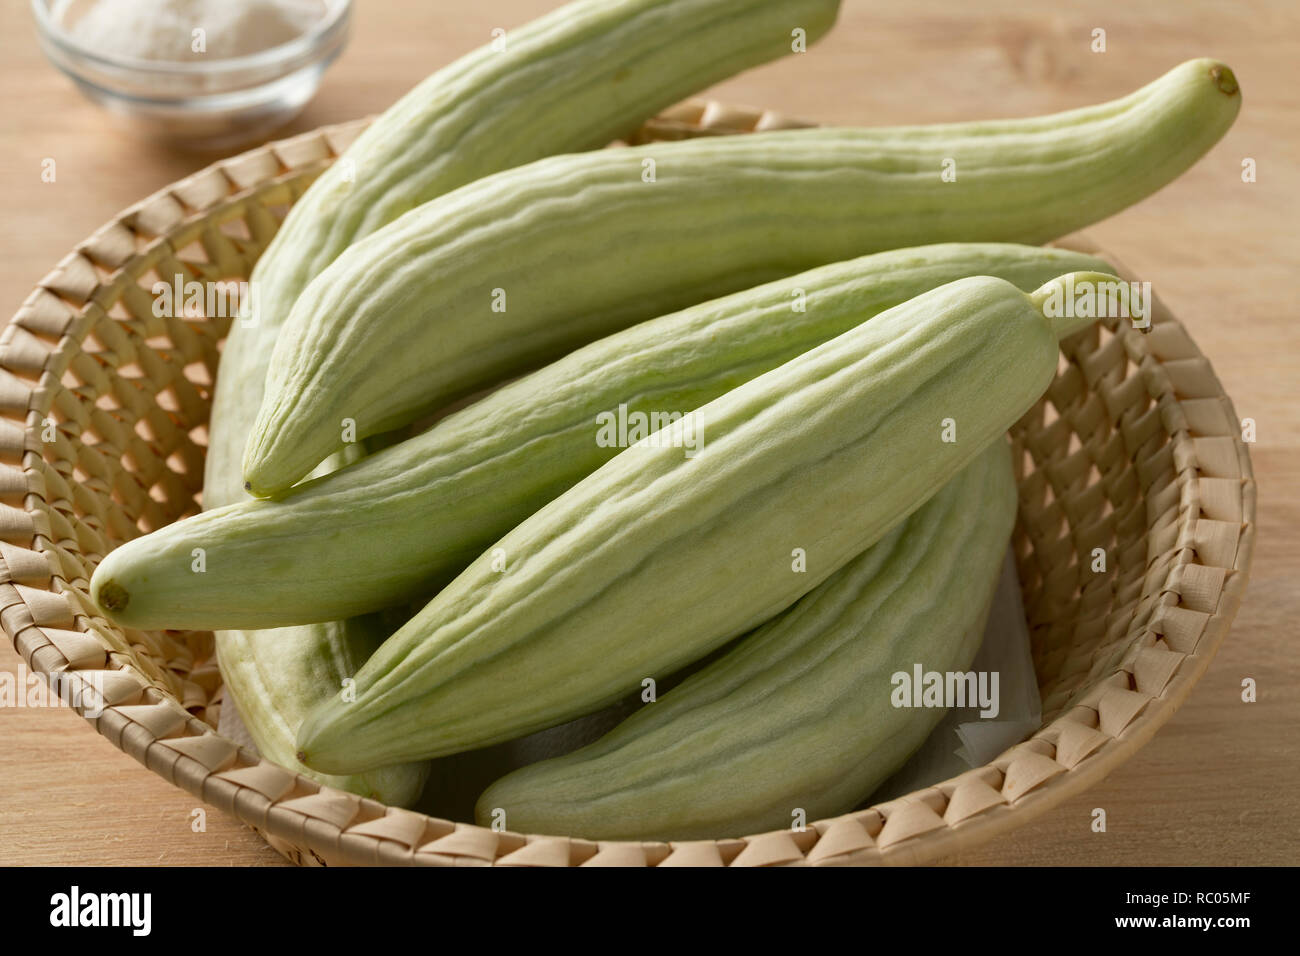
[{"x": 1135, "y": 449}]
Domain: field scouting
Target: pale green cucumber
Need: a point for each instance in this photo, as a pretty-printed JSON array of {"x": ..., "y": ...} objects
[
  {"x": 799, "y": 717},
  {"x": 276, "y": 676},
  {"x": 677, "y": 545},
  {"x": 574, "y": 79},
  {"x": 406, "y": 520},
  {"x": 527, "y": 264}
]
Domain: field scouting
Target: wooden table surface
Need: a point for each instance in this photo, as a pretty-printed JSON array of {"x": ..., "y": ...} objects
[{"x": 1220, "y": 784}]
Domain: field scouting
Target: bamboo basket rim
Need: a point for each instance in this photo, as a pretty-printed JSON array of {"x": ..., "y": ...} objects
[{"x": 1186, "y": 607}]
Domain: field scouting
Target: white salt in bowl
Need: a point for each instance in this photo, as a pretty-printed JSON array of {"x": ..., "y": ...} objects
[{"x": 206, "y": 103}]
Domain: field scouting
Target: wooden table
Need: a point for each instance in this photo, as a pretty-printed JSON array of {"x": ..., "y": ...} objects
[{"x": 1220, "y": 784}]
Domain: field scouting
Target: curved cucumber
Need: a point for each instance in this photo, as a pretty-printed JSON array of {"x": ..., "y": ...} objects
[
  {"x": 799, "y": 715},
  {"x": 527, "y": 264},
  {"x": 662, "y": 555},
  {"x": 276, "y": 676},
  {"x": 406, "y": 520},
  {"x": 574, "y": 79}
]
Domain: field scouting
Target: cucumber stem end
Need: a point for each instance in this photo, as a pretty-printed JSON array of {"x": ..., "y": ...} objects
[{"x": 1224, "y": 79}]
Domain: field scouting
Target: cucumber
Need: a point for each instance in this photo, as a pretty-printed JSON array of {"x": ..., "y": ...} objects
[
  {"x": 276, "y": 676},
  {"x": 403, "y": 522},
  {"x": 799, "y": 715},
  {"x": 526, "y": 265},
  {"x": 574, "y": 79},
  {"x": 662, "y": 555}
]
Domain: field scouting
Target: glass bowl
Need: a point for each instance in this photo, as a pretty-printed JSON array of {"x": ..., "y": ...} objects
[{"x": 198, "y": 104}]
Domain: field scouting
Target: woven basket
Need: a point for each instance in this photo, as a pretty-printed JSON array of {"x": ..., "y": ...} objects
[{"x": 1135, "y": 449}]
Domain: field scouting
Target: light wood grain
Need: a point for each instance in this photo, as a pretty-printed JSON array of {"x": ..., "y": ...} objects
[{"x": 1220, "y": 784}]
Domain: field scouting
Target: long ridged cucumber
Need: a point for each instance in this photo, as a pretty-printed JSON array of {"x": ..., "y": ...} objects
[
  {"x": 277, "y": 676},
  {"x": 572, "y": 80},
  {"x": 525, "y": 265},
  {"x": 689, "y": 538},
  {"x": 404, "y": 521},
  {"x": 799, "y": 715}
]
